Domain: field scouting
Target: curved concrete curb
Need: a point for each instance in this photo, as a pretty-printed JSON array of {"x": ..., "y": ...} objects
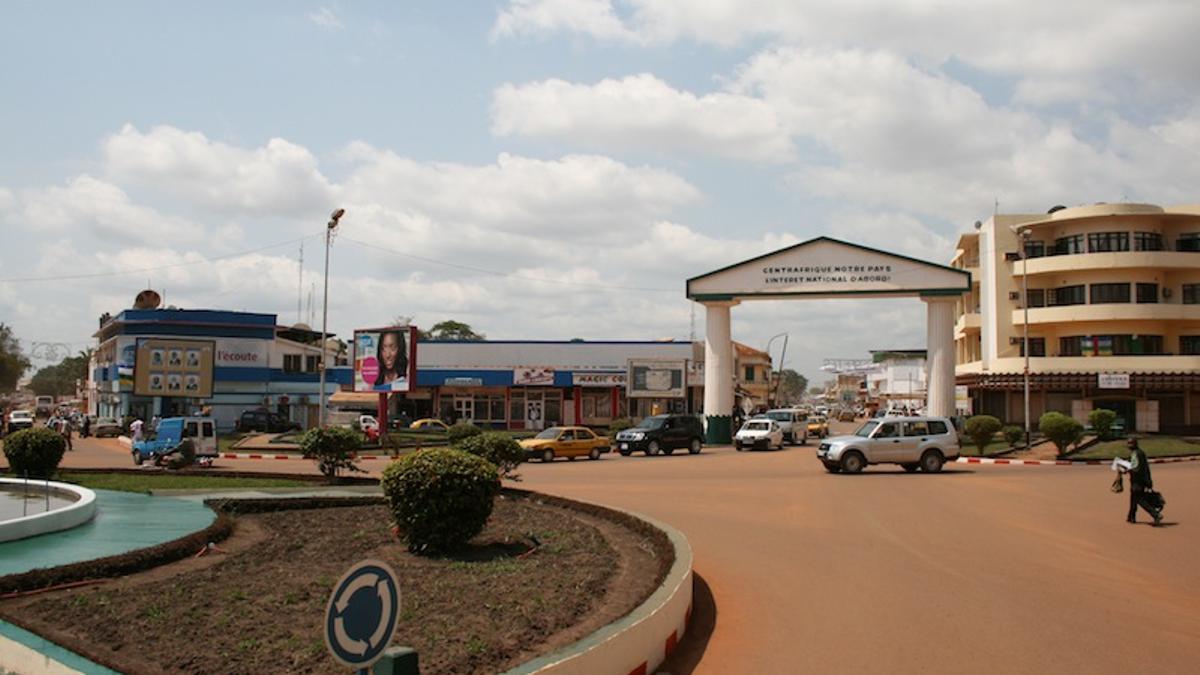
[
  {"x": 72, "y": 515},
  {"x": 638, "y": 643},
  {"x": 1065, "y": 462}
]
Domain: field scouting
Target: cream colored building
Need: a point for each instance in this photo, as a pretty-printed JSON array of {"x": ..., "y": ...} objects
[{"x": 1113, "y": 314}]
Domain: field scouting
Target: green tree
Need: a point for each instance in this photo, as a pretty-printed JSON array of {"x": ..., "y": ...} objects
[
  {"x": 1102, "y": 421},
  {"x": 1061, "y": 430},
  {"x": 452, "y": 330},
  {"x": 792, "y": 386},
  {"x": 981, "y": 429},
  {"x": 13, "y": 363},
  {"x": 59, "y": 379}
]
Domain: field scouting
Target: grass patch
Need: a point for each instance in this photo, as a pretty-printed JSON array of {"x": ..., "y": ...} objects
[
  {"x": 168, "y": 481},
  {"x": 1154, "y": 446},
  {"x": 225, "y": 441}
]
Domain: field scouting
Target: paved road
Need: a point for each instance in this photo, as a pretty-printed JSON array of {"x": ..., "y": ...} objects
[{"x": 978, "y": 569}]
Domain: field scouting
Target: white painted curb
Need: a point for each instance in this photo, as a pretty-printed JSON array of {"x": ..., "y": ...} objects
[
  {"x": 17, "y": 658},
  {"x": 1064, "y": 462}
]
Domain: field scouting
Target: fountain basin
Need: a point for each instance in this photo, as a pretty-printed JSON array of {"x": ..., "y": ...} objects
[{"x": 24, "y": 512}]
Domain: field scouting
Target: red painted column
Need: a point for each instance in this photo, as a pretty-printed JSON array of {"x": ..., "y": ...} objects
[
  {"x": 578, "y": 405},
  {"x": 508, "y": 408},
  {"x": 382, "y": 413},
  {"x": 616, "y": 402}
]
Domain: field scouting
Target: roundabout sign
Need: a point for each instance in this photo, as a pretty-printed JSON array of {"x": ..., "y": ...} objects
[{"x": 361, "y": 614}]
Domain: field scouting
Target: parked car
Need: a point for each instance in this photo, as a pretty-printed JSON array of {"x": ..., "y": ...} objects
[
  {"x": 106, "y": 426},
  {"x": 847, "y": 415},
  {"x": 570, "y": 442},
  {"x": 20, "y": 419},
  {"x": 429, "y": 424},
  {"x": 265, "y": 421},
  {"x": 171, "y": 432},
  {"x": 791, "y": 424},
  {"x": 912, "y": 442},
  {"x": 662, "y": 434},
  {"x": 368, "y": 423},
  {"x": 759, "y": 433},
  {"x": 818, "y": 425}
]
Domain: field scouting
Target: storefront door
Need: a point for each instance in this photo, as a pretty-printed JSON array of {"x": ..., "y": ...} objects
[
  {"x": 534, "y": 412},
  {"x": 464, "y": 408}
]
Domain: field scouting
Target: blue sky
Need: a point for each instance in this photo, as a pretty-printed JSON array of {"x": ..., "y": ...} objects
[{"x": 599, "y": 146}]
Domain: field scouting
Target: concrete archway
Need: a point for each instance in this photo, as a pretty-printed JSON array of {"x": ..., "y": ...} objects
[{"x": 824, "y": 268}]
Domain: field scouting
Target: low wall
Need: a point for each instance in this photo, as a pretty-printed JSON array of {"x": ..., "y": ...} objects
[{"x": 71, "y": 515}]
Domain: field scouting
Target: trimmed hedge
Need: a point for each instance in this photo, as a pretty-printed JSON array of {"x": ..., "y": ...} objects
[
  {"x": 461, "y": 432},
  {"x": 440, "y": 498},
  {"x": 333, "y": 448},
  {"x": 981, "y": 429},
  {"x": 34, "y": 452},
  {"x": 1061, "y": 430},
  {"x": 499, "y": 449},
  {"x": 1102, "y": 421},
  {"x": 1013, "y": 434}
]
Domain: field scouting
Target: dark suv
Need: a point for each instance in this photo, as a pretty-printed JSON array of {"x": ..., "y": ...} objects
[
  {"x": 265, "y": 420},
  {"x": 662, "y": 434}
]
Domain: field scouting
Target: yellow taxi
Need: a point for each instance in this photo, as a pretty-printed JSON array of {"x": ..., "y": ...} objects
[
  {"x": 569, "y": 442},
  {"x": 818, "y": 425},
  {"x": 429, "y": 424}
]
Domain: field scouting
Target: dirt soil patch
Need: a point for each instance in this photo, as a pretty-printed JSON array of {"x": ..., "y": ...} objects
[{"x": 259, "y": 608}]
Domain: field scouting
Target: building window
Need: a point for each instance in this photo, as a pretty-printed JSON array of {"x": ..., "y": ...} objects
[
  {"x": 1137, "y": 345},
  {"x": 291, "y": 363},
  {"x": 1037, "y": 346},
  {"x": 312, "y": 363},
  {"x": 1189, "y": 241},
  {"x": 1106, "y": 242},
  {"x": 1067, "y": 295},
  {"x": 1103, "y": 294},
  {"x": 1110, "y": 345},
  {"x": 1147, "y": 293},
  {"x": 1147, "y": 241},
  {"x": 1037, "y": 297},
  {"x": 1191, "y": 294},
  {"x": 1069, "y": 245},
  {"x": 1035, "y": 249},
  {"x": 749, "y": 373},
  {"x": 1189, "y": 345},
  {"x": 1070, "y": 346}
]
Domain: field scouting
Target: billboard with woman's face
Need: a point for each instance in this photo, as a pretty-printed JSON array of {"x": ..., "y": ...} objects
[{"x": 385, "y": 359}]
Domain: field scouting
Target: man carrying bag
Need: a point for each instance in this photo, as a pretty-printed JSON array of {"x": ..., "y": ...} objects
[{"x": 1141, "y": 486}]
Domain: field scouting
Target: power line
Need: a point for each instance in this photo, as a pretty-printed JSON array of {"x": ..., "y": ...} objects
[
  {"x": 141, "y": 270},
  {"x": 509, "y": 275}
]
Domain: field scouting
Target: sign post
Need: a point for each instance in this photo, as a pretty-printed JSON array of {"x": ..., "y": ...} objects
[{"x": 361, "y": 614}]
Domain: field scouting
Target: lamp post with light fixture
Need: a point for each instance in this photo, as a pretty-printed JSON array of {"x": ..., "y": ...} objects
[
  {"x": 330, "y": 228},
  {"x": 1025, "y": 234},
  {"x": 779, "y": 371}
]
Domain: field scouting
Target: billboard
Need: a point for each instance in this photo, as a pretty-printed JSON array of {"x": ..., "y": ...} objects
[
  {"x": 169, "y": 367},
  {"x": 385, "y": 359},
  {"x": 656, "y": 378},
  {"x": 533, "y": 376}
]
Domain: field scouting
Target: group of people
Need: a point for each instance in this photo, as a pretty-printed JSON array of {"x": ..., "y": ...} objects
[{"x": 65, "y": 423}]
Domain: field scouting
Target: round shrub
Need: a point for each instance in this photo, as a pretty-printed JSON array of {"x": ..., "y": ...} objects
[
  {"x": 1061, "y": 430},
  {"x": 461, "y": 431},
  {"x": 618, "y": 425},
  {"x": 1012, "y": 434},
  {"x": 333, "y": 449},
  {"x": 34, "y": 452},
  {"x": 440, "y": 497},
  {"x": 1102, "y": 421},
  {"x": 981, "y": 429},
  {"x": 499, "y": 449}
]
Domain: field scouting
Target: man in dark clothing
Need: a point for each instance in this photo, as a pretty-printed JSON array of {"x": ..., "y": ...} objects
[{"x": 1139, "y": 483}]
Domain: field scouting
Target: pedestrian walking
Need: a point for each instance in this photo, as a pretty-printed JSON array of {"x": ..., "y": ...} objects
[
  {"x": 1141, "y": 486},
  {"x": 86, "y": 428},
  {"x": 135, "y": 428},
  {"x": 64, "y": 430}
]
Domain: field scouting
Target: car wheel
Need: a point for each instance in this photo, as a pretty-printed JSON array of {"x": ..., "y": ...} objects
[
  {"x": 653, "y": 448},
  {"x": 668, "y": 450},
  {"x": 626, "y": 453},
  {"x": 571, "y": 458},
  {"x": 548, "y": 456},
  {"x": 909, "y": 467},
  {"x": 833, "y": 468},
  {"x": 137, "y": 458},
  {"x": 737, "y": 446},
  {"x": 931, "y": 461},
  {"x": 853, "y": 462},
  {"x": 694, "y": 447},
  {"x": 594, "y": 454}
]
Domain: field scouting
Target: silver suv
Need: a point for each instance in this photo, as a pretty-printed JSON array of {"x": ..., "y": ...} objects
[{"x": 912, "y": 442}]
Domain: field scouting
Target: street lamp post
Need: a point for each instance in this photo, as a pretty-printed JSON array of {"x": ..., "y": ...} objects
[
  {"x": 330, "y": 228},
  {"x": 779, "y": 371},
  {"x": 1025, "y": 233}
]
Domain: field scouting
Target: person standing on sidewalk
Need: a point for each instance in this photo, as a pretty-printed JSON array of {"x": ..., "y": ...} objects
[{"x": 1139, "y": 482}]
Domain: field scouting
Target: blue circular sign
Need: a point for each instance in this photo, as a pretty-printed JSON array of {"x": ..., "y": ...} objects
[{"x": 362, "y": 613}]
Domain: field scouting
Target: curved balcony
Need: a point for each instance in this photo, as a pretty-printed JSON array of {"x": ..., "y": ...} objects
[
  {"x": 1080, "y": 262},
  {"x": 1108, "y": 312},
  {"x": 967, "y": 323}
]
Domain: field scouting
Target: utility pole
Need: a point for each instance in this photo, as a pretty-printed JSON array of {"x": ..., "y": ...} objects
[
  {"x": 330, "y": 228},
  {"x": 1024, "y": 243}
]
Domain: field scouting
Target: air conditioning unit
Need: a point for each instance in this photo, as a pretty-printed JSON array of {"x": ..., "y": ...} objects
[
  {"x": 1012, "y": 256},
  {"x": 1014, "y": 295},
  {"x": 1166, "y": 292},
  {"x": 1014, "y": 340}
]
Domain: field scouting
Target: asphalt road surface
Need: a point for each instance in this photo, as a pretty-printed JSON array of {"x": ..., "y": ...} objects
[{"x": 997, "y": 569}]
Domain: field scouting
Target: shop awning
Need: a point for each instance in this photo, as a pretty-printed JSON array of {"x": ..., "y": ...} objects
[{"x": 354, "y": 398}]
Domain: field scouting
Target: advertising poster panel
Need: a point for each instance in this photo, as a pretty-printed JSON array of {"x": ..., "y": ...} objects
[
  {"x": 533, "y": 376},
  {"x": 385, "y": 359},
  {"x": 657, "y": 378},
  {"x": 168, "y": 367}
]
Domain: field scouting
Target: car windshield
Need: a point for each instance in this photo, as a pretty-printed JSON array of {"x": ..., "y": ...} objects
[
  {"x": 654, "y": 422},
  {"x": 866, "y": 429},
  {"x": 22, "y": 413},
  {"x": 780, "y": 416},
  {"x": 757, "y": 426},
  {"x": 549, "y": 434}
]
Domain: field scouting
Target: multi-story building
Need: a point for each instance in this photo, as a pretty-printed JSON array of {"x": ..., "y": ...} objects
[
  {"x": 897, "y": 378},
  {"x": 1110, "y": 295}
]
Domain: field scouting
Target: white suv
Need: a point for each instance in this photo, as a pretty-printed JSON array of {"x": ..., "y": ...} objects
[{"x": 912, "y": 442}]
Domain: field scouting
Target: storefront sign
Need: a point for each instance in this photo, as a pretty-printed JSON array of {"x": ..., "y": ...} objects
[
  {"x": 599, "y": 379},
  {"x": 533, "y": 376},
  {"x": 385, "y": 359},
  {"x": 241, "y": 354},
  {"x": 1112, "y": 380},
  {"x": 463, "y": 382},
  {"x": 656, "y": 378}
]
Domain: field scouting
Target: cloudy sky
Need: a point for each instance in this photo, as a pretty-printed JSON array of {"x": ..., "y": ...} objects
[{"x": 552, "y": 169}]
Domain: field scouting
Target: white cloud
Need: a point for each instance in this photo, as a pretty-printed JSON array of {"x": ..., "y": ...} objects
[
  {"x": 325, "y": 18},
  {"x": 280, "y": 178},
  {"x": 642, "y": 112},
  {"x": 533, "y": 17}
]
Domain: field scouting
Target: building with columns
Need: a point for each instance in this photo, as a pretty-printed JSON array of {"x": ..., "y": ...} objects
[{"x": 1110, "y": 295}]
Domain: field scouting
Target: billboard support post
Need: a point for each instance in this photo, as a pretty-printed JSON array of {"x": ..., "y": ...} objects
[
  {"x": 329, "y": 230},
  {"x": 381, "y": 414}
]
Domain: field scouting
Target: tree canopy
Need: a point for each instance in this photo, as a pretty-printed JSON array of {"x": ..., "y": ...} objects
[
  {"x": 13, "y": 362},
  {"x": 59, "y": 380},
  {"x": 452, "y": 330},
  {"x": 792, "y": 386}
]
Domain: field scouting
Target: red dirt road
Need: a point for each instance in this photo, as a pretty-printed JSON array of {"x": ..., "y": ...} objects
[{"x": 995, "y": 569}]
